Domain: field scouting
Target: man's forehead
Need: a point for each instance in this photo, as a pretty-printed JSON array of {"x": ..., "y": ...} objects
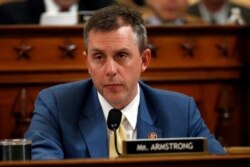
[
  {"x": 124, "y": 32},
  {"x": 95, "y": 30}
]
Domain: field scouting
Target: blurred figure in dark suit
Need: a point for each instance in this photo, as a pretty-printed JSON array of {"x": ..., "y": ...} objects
[
  {"x": 217, "y": 11},
  {"x": 29, "y": 11},
  {"x": 170, "y": 12}
]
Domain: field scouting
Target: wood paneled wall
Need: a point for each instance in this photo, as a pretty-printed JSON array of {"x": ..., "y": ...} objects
[{"x": 209, "y": 63}]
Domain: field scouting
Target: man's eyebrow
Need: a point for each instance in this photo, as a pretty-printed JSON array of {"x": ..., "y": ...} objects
[
  {"x": 96, "y": 50},
  {"x": 123, "y": 50}
]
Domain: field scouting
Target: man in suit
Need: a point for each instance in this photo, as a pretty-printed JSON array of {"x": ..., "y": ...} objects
[
  {"x": 166, "y": 12},
  {"x": 30, "y": 11},
  {"x": 217, "y": 11},
  {"x": 69, "y": 120}
]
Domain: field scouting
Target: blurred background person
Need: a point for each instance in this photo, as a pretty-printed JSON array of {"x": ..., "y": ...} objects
[
  {"x": 6, "y": 1},
  {"x": 138, "y": 5},
  {"x": 30, "y": 11},
  {"x": 217, "y": 11},
  {"x": 170, "y": 12}
]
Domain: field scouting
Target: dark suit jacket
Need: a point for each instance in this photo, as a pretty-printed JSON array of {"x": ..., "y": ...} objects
[
  {"x": 68, "y": 121},
  {"x": 194, "y": 10},
  {"x": 29, "y": 11}
]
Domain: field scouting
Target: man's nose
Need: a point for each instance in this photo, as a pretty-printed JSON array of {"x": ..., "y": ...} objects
[{"x": 111, "y": 68}]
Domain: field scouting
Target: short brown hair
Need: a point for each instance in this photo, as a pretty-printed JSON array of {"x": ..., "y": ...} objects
[{"x": 113, "y": 17}]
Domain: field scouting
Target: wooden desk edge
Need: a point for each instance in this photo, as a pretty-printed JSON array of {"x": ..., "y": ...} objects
[{"x": 182, "y": 159}]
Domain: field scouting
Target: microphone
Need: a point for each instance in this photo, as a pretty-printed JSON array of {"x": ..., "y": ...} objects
[{"x": 113, "y": 122}]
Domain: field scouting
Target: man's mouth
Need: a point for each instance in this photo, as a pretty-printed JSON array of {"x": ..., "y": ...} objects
[{"x": 112, "y": 85}]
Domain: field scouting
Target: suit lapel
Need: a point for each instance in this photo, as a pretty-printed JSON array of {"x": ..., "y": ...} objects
[
  {"x": 146, "y": 121},
  {"x": 93, "y": 127}
]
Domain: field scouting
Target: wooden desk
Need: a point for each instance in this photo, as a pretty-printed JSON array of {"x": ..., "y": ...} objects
[
  {"x": 173, "y": 161},
  {"x": 209, "y": 63}
]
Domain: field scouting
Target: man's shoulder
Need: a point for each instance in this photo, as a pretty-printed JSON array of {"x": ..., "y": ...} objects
[
  {"x": 160, "y": 93},
  {"x": 69, "y": 96},
  {"x": 70, "y": 88},
  {"x": 159, "y": 99},
  {"x": 74, "y": 84}
]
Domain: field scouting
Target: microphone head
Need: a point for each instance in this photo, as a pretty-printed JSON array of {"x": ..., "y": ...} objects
[{"x": 114, "y": 119}]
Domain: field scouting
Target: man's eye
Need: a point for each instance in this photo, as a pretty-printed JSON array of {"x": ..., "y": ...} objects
[
  {"x": 98, "y": 57},
  {"x": 121, "y": 55}
]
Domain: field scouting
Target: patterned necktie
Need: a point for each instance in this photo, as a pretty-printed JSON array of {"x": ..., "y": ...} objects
[{"x": 121, "y": 135}]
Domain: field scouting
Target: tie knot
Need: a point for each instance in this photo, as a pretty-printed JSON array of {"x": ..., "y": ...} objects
[{"x": 123, "y": 118}]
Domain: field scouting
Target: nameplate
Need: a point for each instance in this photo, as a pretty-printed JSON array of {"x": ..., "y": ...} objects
[{"x": 165, "y": 145}]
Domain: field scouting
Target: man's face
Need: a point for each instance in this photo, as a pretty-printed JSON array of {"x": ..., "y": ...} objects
[
  {"x": 115, "y": 64},
  {"x": 65, "y": 3},
  {"x": 168, "y": 10}
]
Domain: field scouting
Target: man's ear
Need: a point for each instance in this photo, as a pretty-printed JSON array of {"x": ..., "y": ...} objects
[
  {"x": 85, "y": 57},
  {"x": 146, "y": 57}
]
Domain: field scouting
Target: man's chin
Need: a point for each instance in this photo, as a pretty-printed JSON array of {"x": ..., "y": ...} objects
[{"x": 116, "y": 102}]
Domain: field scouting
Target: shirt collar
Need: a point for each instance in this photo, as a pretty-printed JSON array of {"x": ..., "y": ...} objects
[{"x": 130, "y": 111}]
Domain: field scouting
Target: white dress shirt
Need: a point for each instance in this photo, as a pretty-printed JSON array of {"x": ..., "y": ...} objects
[
  {"x": 52, "y": 7},
  {"x": 220, "y": 16},
  {"x": 130, "y": 112}
]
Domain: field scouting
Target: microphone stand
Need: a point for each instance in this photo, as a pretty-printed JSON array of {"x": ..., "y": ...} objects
[
  {"x": 116, "y": 148},
  {"x": 113, "y": 122}
]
